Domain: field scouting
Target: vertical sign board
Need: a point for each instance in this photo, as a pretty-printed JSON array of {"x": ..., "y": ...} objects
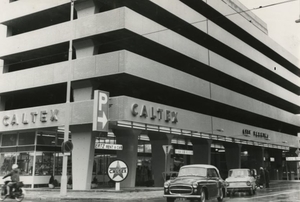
[{"x": 100, "y": 116}]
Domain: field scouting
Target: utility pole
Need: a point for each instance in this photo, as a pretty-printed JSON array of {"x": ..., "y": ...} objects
[{"x": 64, "y": 178}]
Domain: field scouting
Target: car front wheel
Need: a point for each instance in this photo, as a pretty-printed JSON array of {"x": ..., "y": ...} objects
[{"x": 202, "y": 196}]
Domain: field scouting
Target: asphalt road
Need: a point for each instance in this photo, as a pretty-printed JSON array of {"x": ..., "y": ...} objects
[
  {"x": 277, "y": 193},
  {"x": 281, "y": 192}
]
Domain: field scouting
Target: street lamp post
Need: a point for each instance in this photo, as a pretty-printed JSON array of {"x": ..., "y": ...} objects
[{"x": 63, "y": 183}]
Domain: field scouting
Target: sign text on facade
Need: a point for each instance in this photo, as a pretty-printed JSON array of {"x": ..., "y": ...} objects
[
  {"x": 144, "y": 111},
  {"x": 30, "y": 117}
]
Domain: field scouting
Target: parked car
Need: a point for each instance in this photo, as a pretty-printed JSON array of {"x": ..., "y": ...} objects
[
  {"x": 240, "y": 180},
  {"x": 198, "y": 181}
]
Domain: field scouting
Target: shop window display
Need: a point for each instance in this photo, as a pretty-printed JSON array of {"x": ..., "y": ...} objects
[
  {"x": 44, "y": 163},
  {"x": 59, "y": 162},
  {"x": 25, "y": 163},
  {"x": 24, "y": 160},
  {"x": 7, "y": 160}
]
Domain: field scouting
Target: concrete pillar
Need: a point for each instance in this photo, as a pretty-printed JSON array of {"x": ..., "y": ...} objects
[
  {"x": 129, "y": 139},
  {"x": 82, "y": 90},
  {"x": 256, "y": 157},
  {"x": 202, "y": 151},
  {"x": 276, "y": 169},
  {"x": 158, "y": 160},
  {"x": 86, "y": 8},
  {"x": 84, "y": 48},
  {"x": 233, "y": 155},
  {"x": 83, "y": 140}
]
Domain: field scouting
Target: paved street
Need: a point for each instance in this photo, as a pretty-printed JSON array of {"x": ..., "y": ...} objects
[{"x": 278, "y": 192}]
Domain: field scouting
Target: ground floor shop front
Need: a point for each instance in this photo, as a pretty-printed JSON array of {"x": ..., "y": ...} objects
[
  {"x": 138, "y": 132},
  {"x": 39, "y": 157}
]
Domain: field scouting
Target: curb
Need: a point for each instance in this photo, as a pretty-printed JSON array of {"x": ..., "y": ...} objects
[{"x": 94, "y": 195}]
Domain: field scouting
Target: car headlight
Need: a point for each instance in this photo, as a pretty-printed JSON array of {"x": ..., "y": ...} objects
[
  {"x": 248, "y": 183},
  {"x": 195, "y": 184},
  {"x": 167, "y": 184}
]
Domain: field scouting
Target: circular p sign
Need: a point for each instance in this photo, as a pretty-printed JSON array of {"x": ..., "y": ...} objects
[{"x": 117, "y": 170}]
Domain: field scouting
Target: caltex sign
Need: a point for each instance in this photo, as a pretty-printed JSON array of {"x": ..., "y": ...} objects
[{"x": 117, "y": 171}]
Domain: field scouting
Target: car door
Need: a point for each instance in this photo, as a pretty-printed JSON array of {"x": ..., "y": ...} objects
[{"x": 213, "y": 183}]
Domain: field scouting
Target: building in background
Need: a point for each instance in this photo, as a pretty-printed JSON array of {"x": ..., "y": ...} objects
[{"x": 201, "y": 76}]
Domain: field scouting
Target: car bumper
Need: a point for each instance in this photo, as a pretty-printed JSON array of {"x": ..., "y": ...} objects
[
  {"x": 181, "y": 196},
  {"x": 230, "y": 189}
]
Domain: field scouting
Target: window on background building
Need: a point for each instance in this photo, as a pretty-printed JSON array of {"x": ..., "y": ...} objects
[
  {"x": 27, "y": 138},
  {"x": 9, "y": 140}
]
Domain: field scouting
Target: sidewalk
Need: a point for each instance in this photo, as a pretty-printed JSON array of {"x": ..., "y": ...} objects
[{"x": 138, "y": 193}]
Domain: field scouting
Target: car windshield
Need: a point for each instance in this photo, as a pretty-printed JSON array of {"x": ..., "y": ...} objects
[
  {"x": 239, "y": 173},
  {"x": 192, "y": 171}
]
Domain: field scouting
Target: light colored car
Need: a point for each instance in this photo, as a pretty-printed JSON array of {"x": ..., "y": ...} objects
[
  {"x": 240, "y": 180},
  {"x": 198, "y": 181}
]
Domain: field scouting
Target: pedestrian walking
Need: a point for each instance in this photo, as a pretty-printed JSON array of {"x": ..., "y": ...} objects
[
  {"x": 262, "y": 178},
  {"x": 267, "y": 177}
]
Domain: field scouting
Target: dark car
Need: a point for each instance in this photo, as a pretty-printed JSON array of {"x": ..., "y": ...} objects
[{"x": 198, "y": 181}]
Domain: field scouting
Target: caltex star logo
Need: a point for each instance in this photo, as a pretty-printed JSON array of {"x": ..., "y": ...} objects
[{"x": 117, "y": 171}]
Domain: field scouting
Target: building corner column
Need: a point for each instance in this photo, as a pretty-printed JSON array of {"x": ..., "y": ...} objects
[
  {"x": 159, "y": 157},
  {"x": 201, "y": 151},
  {"x": 233, "y": 155},
  {"x": 129, "y": 139},
  {"x": 83, "y": 139}
]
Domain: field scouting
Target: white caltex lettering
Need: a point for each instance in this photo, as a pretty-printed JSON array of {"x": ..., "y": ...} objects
[
  {"x": 54, "y": 115},
  {"x": 30, "y": 117},
  {"x": 158, "y": 113}
]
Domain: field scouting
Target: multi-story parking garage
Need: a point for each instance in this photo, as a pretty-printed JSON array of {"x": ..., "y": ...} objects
[{"x": 201, "y": 76}]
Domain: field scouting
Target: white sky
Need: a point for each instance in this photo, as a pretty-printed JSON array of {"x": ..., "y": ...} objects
[{"x": 280, "y": 20}]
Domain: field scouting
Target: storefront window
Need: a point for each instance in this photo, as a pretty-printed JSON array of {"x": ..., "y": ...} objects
[
  {"x": 144, "y": 148},
  {"x": 44, "y": 138},
  {"x": 44, "y": 163},
  {"x": 25, "y": 163},
  {"x": 59, "y": 162},
  {"x": 7, "y": 160},
  {"x": 9, "y": 140},
  {"x": 60, "y": 139},
  {"x": 26, "y": 138}
]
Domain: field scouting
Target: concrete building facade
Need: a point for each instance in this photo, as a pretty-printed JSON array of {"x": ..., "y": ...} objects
[{"x": 198, "y": 75}]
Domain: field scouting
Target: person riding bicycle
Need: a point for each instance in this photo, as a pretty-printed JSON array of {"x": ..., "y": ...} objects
[{"x": 15, "y": 177}]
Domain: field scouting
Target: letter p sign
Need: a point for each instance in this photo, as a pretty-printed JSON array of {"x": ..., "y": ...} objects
[
  {"x": 103, "y": 98},
  {"x": 100, "y": 117}
]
